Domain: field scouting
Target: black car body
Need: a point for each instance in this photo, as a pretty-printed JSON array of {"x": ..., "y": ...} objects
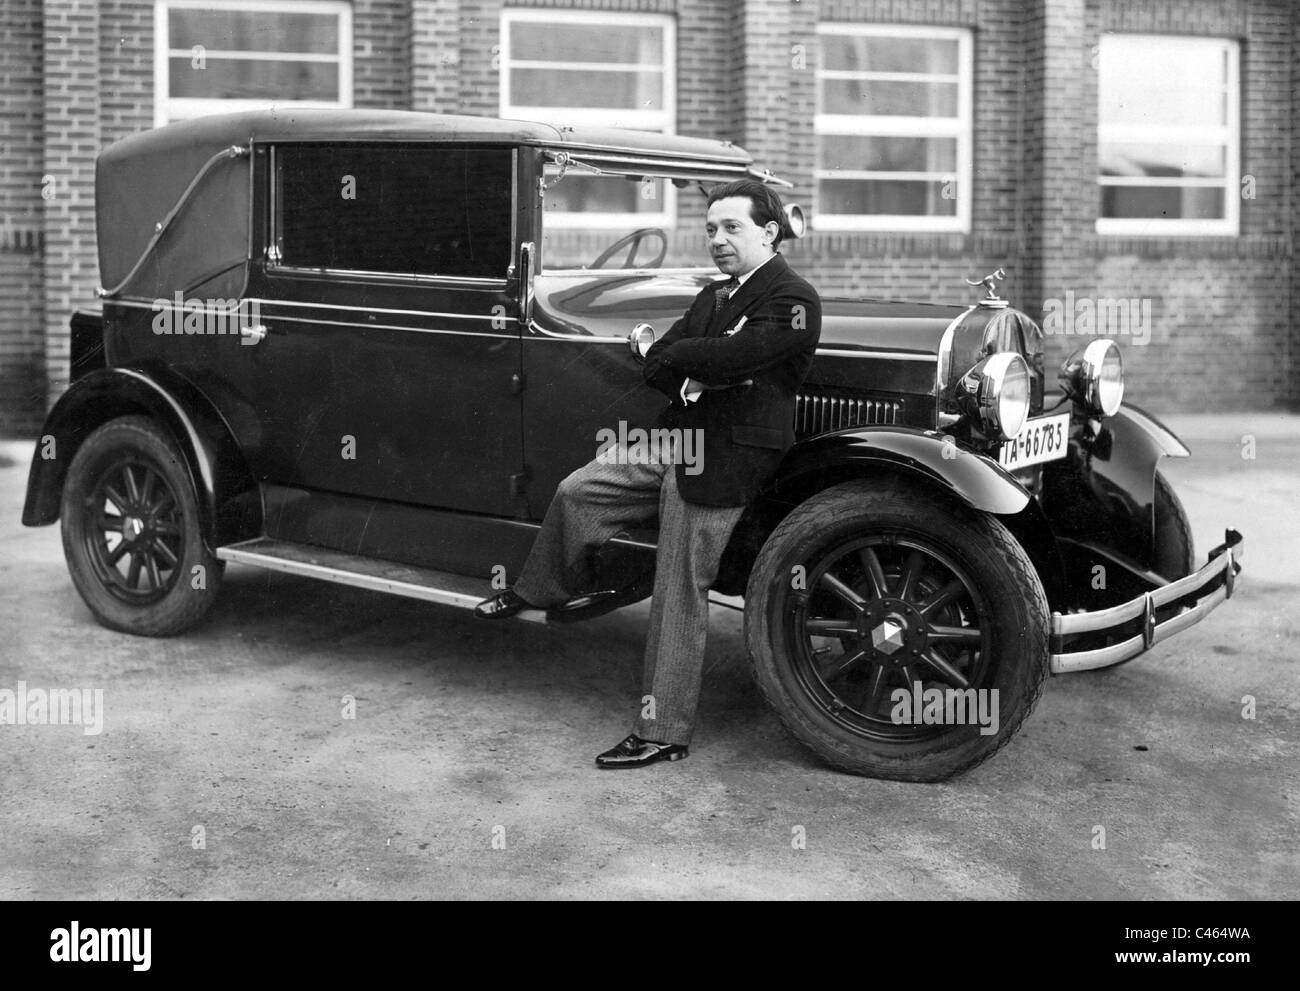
[{"x": 385, "y": 389}]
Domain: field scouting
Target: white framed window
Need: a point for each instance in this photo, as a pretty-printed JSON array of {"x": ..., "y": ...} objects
[
  {"x": 218, "y": 56},
  {"x": 893, "y": 128},
  {"x": 1168, "y": 135},
  {"x": 594, "y": 68}
]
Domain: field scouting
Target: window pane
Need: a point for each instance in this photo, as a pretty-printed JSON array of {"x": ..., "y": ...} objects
[
  {"x": 641, "y": 90},
  {"x": 887, "y": 153},
  {"x": 868, "y": 97},
  {"x": 1165, "y": 112},
  {"x": 1162, "y": 81},
  {"x": 531, "y": 41},
  {"x": 1162, "y": 202},
  {"x": 605, "y": 194},
  {"x": 919, "y": 198},
  {"x": 855, "y": 52},
  {"x": 260, "y": 79},
  {"x": 427, "y": 211},
  {"x": 248, "y": 30},
  {"x": 1163, "y": 160}
]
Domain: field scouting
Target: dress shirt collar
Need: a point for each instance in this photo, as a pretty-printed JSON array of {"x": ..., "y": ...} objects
[{"x": 740, "y": 279}]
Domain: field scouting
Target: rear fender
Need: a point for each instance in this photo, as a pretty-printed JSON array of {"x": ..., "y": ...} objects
[{"x": 227, "y": 494}]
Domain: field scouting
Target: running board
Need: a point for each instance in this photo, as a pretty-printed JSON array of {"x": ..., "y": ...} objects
[{"x": 370, "y": 573}]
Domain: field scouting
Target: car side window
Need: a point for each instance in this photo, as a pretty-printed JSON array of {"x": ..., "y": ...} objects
[{"x": 431, "y": 210}]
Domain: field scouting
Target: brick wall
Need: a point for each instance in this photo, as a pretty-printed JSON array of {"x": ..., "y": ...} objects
[
  {"x": 78, "y": 75},
  {"x": 708, "y": 61},
  {"x": 98, "y": 88},
  {"x": 1291, "y": 342},
  {"x": 1220, "y": 312},
  {"x": 71, "y": 142},
  {"x": 435, "y": 56},
  {"x": 931, "y": 266},
  {"x": 1222, "y": 318},
  {"x": 381, "y": 54},
  {"x": 22, "y": 361},
  {"x": 126, "y": 50}
]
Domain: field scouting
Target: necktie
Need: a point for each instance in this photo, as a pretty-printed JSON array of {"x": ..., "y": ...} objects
[{"x": 723, "y": 293}]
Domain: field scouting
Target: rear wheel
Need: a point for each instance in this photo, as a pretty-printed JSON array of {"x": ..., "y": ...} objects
[
  {"x": 871, "y": 602},
  {"x": 131, "y": 532}
]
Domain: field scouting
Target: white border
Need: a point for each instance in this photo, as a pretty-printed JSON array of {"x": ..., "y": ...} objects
[
  {"x": 862, "y": 124},
  {"x": 1227, "y": 135},
  {"x": 659, "y": 121},
  {"x": 167, "y": 108}
]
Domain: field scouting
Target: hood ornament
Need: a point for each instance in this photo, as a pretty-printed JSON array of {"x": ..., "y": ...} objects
[{"x": 990, "y": 282}]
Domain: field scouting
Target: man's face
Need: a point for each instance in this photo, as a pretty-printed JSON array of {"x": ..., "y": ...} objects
[{"x": 735, "y": 241}]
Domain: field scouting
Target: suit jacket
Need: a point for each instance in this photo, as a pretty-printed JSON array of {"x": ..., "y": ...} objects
[{"x": 746, "y": 429}]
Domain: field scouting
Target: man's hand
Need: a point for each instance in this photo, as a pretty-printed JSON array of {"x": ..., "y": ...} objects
[
  {"x": 776, "y": 331},
  {"x": 692, "y": 389}
]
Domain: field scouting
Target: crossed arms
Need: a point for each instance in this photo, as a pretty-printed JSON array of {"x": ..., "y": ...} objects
[{"x": 777, "y": 330}]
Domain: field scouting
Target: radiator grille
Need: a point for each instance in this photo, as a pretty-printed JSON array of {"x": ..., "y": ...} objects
[{"x": 814, "y": 414}]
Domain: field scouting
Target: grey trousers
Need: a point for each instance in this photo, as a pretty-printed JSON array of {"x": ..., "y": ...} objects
[{"x": 593, "y": 504}]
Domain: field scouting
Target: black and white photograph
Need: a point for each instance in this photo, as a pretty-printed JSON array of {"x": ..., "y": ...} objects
[{"x": 651, "y": 450}]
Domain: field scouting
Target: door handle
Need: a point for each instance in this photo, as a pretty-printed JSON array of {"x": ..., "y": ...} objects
[{"x": 253, "y": 334}]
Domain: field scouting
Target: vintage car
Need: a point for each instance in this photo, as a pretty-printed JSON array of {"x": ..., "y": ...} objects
[{"x": 366, "y": 347}]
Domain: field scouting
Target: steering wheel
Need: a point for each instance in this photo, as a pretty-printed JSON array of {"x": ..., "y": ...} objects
[{"x": 634, "y": 239}]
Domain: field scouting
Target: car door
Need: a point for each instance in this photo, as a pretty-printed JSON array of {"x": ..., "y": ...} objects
[
  {"x": 586, "y": 391},
  {"x": 390, "y": 363}
]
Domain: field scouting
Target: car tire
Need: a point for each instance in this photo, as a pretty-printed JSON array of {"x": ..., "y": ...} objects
[
  {"x": 131, "y": 533},
  {"x": 943, "y": 568}
]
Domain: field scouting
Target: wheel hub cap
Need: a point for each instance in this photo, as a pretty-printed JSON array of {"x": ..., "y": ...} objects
[
  {"x": 888, "y": 636},
  {"x": 895, "y": 630},
  {"x": 134, "y": 527}
]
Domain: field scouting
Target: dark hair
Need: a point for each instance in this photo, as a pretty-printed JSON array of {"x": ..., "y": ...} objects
[{"x": 765, "y": 205}]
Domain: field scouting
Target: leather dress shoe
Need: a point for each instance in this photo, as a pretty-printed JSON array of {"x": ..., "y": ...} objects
[
  {"x": 502, "y": 605},
  {"x": 636, "y": 752},
  {"x": 595, "y": 604},
  {"x": 585, "y": 606}
]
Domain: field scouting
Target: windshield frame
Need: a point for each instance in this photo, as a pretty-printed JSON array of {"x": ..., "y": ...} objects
[{"x": 556, "y": 164}]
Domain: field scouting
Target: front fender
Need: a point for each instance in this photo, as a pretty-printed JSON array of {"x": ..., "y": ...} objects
[
  {"x": 1103, "y": 492},
  {"x": 976, "y": 480},
  {"x": 828, "y": 459},
  {"x": 226, "y": 492}
]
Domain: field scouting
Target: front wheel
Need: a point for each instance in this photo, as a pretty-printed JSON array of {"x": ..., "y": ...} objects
[
  {"x": 895, "y": 633},
  {"x": 131, "y": 531}
]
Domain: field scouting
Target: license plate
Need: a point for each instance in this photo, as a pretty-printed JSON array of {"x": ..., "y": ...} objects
[{"x": 1042, "y": 439}]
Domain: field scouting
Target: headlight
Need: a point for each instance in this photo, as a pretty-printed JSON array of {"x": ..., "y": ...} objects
[
  {"x": 796, "y": 220},
  {"x": 1094, "y": 376},
  {"x": 997, "y": 391}
]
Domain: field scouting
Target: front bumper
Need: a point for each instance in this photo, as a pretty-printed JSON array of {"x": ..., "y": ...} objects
[{"x": 1131, "y": 628}]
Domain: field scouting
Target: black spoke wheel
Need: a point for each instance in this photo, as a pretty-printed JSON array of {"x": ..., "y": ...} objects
[
  {"x": 883, "y": 612},
  {"x": 131, "y": 531},
  {"x": 873, "y": 600},
  {"x": 132, "y": 535}
]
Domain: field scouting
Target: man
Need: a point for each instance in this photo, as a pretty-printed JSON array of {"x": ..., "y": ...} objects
[{"x": 731, "y": 368}]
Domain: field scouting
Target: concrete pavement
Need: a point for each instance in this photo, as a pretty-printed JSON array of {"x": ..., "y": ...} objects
[{"x": 467, "y": 770}]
